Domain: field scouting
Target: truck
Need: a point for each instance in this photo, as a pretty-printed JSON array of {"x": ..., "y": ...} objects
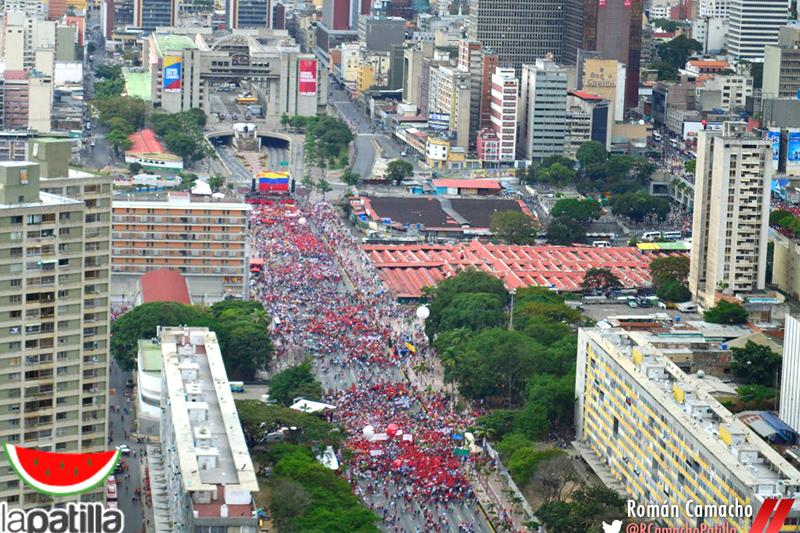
[{"x": 687, "y": 307}]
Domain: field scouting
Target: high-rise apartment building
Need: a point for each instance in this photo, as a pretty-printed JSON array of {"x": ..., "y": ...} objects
[
  {"x": 543, "y": 110},
  {"x": 470, "y": 56},
  {"x": 790, "y": 378},
  {"x": 55, "y": 312},
  {"x": 505, "y": 94},
  {"x": 151, "y": 14},
  {"x": 782, "y": 65},
  {"x": 249, "y": 13},
  {"x": 731, "y": 213},
  {"x": 754, "y": 24},
  {"x": 611, "y": 27},
  {"x": 715, "y": 9},
  {"x": 668, "y": 440},
  {"x": 519, "y": 32},
  {"x": 204, "y": 241}
]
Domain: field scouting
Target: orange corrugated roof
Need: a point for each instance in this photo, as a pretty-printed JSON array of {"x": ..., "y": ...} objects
[
  {"x": 467, "y": 184},
  {"x": 145, "y": 141},
  {"x": 164, "y": 286}
]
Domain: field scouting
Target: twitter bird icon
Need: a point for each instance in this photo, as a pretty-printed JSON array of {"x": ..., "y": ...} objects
[{"x": 613, "y": 527}]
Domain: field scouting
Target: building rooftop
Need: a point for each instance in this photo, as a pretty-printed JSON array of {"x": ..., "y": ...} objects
[
  {"x": 137, "y": 84},
  {"x": 164, "y": 286},
  {"x": 732, "y": 444},
  {"x": 170, "y": 42},
  {"x": 145, "y": 142},
  {"x": 150, "y": 360},
  {"x": 583, "y": 95},
  {"x": 407, "y": 268},
  {"x": 435, "y": 213},
  {"x": 185, "y": 201},
  {"x": 200, "y": 402}
]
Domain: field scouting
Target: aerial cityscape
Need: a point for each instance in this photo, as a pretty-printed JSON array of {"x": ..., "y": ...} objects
[{"x": 401, "y": 266}]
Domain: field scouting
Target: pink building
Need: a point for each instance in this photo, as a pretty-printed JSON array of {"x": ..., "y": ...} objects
[
  {"x": 505, "y": 93},
  {"x": 16, "y": 100},
  {"x": 488, "y": 145}
]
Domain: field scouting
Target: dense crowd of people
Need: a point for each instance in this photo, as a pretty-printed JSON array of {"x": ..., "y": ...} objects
[{"x": 328, "y": 302}]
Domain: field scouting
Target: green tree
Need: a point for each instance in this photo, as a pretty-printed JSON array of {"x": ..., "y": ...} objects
[
  {"x": 778, "y": 215},
  {"x": 556, "y": 174},
  {"x": 217, "y": 181},
  {"x": 591, "y": 153},
  {"x": 108, "y": 72},
  {"x": 324, "y": 187},
  {"x": 639, "y": 205},
  {"x": 602, "y": 279},
  {"x": 294, "y": 382},
  {"x": 465, "y": 282},
  {"x": 669, "y": 269},
  {"x": 674, "y": 291},
  {"x": 643, "y": 170},
  {"x": 188, "y": 180},
  {"x": 285, "y": 120},
  {"x": 565, "y": 231},
  {"x": 132, "y": 111},
  {"x": 619, "y": 166},
  {"x": 669, "y": 26},
  {"x": 756, "y": 363},
  {"x": 726, "y": 312},
  {"x": 513, "y": 227},
  {"x": 398, "y": 170},
  {"x": 351, "y": 177},
  {"x": 259, "y": 419},
  {"x": 248, "y": 349},
  {"x": 580, "y": 210},
  {"x": 119, "y": 141},
  {"x": 588, "y": 508},
  {"x": 755, "y": 393},
  {"x": 134, "y": 168},
  {"x": 473, "y": 311},
  {"x": 691, "y": 166},
  {"x": 110, "y": 88},
  {"x": 666, "y": 72},
  {"x": 184, "y": 145},
  {"x": 677, "y": 51}
]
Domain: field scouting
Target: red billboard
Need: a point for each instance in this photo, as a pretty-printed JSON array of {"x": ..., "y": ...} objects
[{"x": 308, "y": 77}]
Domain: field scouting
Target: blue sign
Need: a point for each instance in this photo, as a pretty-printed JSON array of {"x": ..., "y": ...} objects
[
  {"x": 775, "y": 137},
  {"x": 793, "y": 149}
]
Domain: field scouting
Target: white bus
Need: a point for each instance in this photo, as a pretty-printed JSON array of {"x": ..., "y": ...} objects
[{"x": 672, "y": 235}]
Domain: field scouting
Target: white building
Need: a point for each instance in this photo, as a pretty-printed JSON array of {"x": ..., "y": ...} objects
[
  {"x": 731, "y": 213},
  {"x": 209, "y": 474},
  {"x": 753, "y": 24},
  {"x": 714, "y": 9},
  {"x": 790, "y": 378},
  {"x": 505, "y": 88},
  {"x": 543, "y": 110}
]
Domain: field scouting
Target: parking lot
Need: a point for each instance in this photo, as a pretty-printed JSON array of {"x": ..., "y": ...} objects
[{"x": 613, "y": 307}]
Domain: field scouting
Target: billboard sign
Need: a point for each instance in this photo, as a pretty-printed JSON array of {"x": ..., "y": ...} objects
[
  {"x": 601, "y": 3},
  {"x": 308, "y": 77},
  {"x": 793, "y": 150},
  {"x": 172, "y": 74},
  {"x": 627, "y": 3},
  {"x": 774, "y": 135},
  {"x": 439, "y": 121}
]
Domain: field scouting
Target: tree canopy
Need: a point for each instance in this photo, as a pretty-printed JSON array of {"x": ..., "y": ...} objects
[
  {"x": 669, "y": 269},
  {"x": 245, "y": 344},
  {"x": 513, "y": 227},
  {"x": 756, "y": 363},
  {"x": 674, "y": 292},
  {"x": 580, "y": 210},
  {"x": 469, "y": 281},
  {"x": 588, "y": 508},
  {"x": 602, "y": 279},
  {"x": 726, "y": 312},
  {"x": 591, "y": 153},
  {"x": 398, "y": 170},
  {"x": 678, "y": 50},
  {"x": 260, "y": 419},
  {"x": 639, "y": 206},
  {"x": 294, "y": 382},
  {"x": 565, "y": 231}
]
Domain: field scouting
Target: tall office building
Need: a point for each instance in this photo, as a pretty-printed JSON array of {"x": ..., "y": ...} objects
[
  {"x": 667, "y": 439},
  {"x": 790, "y": 378},
  {"x": 518, "y": 31},
  {"x": 731, "y": 213},
  {"x": 543, "y": 110},
  {"x": 470, "y": 55},
  {"x": 249, "y": 13},
  {"x": 753, "y": 24},
  {"x": 611, "y": 27},
  {"x": 505, "y": 95},
  {"x": 151, "y": 14},
  {"x": 54, "y": 307},
  {"x": 715, "y": 9},
  {"x": 782, "y": 65}
]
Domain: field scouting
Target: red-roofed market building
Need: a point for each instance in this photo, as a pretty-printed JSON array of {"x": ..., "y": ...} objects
[
  {"x": 163, "y": 286},
  {"x": 148, "y": 151}
]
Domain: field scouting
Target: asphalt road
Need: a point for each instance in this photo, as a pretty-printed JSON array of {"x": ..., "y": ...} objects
[
  {"x": 239, "y": 173},
  {"x": 120, "y": 423},
  {"x": 101, "y": 154}
]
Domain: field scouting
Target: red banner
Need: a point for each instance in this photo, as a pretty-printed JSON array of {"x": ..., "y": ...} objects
[
  {"x": 602, "y": 3},
  {"x": 627, "y": 3},
  {"x": 308, "y": 77}
]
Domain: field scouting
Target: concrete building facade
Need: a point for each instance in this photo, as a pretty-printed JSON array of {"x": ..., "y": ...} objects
[
  {"x": 543, "y": 110},
  {"x": 754, "y": 24},
  {"x": 666, "y": 438},
  {"x": 790, "y": 378},
  {"x": 505, "y": 96},
  {"x": 731, "y": 213},
  {"x": 782, "y": 65},
  {"x": 205, "y": 242}
]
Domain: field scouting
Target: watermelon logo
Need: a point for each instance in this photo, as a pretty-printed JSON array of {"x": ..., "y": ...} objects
[{"x": 61, "y": 474}]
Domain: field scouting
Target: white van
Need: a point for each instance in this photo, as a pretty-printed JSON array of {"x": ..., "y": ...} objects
[
  {"x": 687, "y": 307},
  {"x": 601, "y": 244},
  {"x": 656, "y": 136},
  {"x": 650, "y": 235}
]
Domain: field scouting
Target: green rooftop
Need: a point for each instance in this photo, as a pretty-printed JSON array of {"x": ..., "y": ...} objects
[
  {"x": 137, "y": 84},
  {"x": 172, "y": 43},
  {"x": 150, "y": 356}
]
